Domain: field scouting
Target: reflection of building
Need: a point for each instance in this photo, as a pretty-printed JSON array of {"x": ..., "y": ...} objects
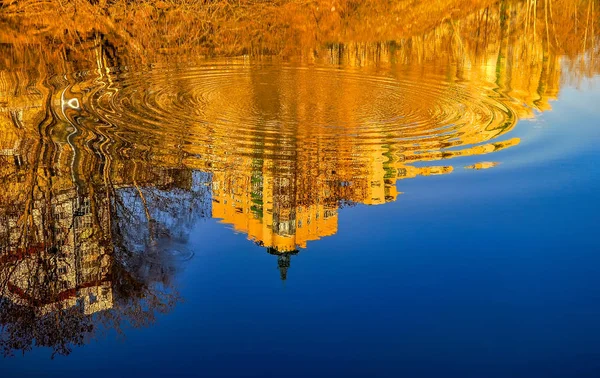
[
  {"x": 283, "y": 209},
  {"x": 56, "y": 233},
  {"x": 59, "y": 266},
  {"x": 265, "y": 208}
]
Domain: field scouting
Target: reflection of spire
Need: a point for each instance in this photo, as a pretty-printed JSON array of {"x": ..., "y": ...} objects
[{"x": 283, "y": 260}]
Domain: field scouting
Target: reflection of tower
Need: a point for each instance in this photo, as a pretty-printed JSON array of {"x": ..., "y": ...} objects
[{"x": 283, "y": 260}]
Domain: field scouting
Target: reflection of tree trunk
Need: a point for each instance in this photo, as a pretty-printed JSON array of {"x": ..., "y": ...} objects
[
  {"x": 587, "y": 23},
  {"x": 503, "y": 39},
  {"x": 137, "y": 187},
  {"x": 552, "y": 22},
  {"x": 38, "y": 155}
]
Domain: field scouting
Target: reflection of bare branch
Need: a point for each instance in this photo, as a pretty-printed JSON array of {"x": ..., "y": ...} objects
[
  {"x": 137, "y": 187},
  {"x": 69, "y": 250}
]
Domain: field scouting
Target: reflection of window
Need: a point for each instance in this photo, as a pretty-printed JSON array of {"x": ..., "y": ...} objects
[
  {"x": 329, "y": 214},
  {"x": 60, "y": 212},
  {"x": 90, "y": 264},
  {"x": 84, "y": 222},
  {"x": 284, "y": 226},
  {"x": 85, "y": 206}
]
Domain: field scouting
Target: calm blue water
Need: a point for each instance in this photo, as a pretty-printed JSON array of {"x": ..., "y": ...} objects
[{"x": 489, "y": 273}]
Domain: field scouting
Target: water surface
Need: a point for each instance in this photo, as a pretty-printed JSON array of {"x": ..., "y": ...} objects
[{"x": 424, "y": 207}]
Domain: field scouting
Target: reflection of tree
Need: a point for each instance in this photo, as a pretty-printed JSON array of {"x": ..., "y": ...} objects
[
  {"x": 84, "y": 246},
  {"x": 51, "y": 290},
  {"x": 22, "y": 328}
]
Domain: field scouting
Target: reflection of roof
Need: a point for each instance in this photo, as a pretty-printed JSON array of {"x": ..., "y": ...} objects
[
  {"x": 61, "y": 296},
  {"x": 21, "y": 253},
  {"x": 274, "y": 251}
]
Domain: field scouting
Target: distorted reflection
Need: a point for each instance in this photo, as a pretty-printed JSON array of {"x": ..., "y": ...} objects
[{"x": 107, "y": 164}]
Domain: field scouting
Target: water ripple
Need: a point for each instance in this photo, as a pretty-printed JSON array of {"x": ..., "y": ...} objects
[{"x": 234, "y": 108}]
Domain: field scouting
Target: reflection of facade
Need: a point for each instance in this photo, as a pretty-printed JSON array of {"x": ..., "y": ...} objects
[
  {"x": 59, "y": 267},
  {"x": 285, "y": 212},
  {"x": 56, "y": 248},
  {"x": 64, "y": 268},
  {"x": 265, "y": 208}
]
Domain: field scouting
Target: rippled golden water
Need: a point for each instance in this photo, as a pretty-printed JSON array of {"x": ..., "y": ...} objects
[
  {"x": 102, "y": 159},
  {"x": 318, "y": 135}
]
